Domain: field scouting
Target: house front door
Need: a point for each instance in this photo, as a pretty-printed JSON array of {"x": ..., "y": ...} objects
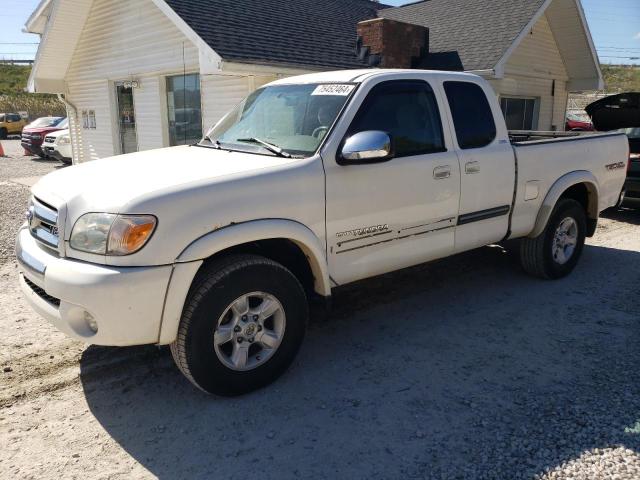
[{"x": 126, "y": 119}]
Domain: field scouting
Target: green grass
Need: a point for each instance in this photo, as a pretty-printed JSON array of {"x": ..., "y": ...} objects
[
  {"x": 621, "y": 78},
  {"x": 13, "y": 98},
  {"x": 13, "y": 79}
]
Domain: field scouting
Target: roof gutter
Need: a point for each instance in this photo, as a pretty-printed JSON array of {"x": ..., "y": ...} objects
[
  {"x": 37, "y": 13},
  {"x": 69, "y": 105}
]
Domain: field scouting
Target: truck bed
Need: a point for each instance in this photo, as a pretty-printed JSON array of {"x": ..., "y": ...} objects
[{"x": 544, "y": 157}]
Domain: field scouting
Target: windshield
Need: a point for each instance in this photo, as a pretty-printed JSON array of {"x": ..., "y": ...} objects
[
  {"x": 295, "y": 118},
  {"x": 579, "y": 117},
  {"x": 47, "y": 122},
  {"x": 632, "y": 132},
  {"x": 63, "y": 124}
]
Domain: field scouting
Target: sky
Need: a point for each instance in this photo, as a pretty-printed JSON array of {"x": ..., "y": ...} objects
[{"x": 614, "y": 25}]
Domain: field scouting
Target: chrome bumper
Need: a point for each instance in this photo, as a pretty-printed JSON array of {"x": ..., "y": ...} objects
[{"x": 34, "y": 267}]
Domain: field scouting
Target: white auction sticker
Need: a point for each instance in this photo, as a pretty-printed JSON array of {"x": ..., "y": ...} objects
[{"x": 334, "y": 89}]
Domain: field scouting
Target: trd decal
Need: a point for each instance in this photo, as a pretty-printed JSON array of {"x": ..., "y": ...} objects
[
  {"x": 359, "y": 232},
  {"x": 615, "y": 166}
]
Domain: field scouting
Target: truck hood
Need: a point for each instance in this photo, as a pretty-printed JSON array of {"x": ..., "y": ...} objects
[
  {"x": 111, "y": 184},
  {"x": 615, "y": 112},
  {"x": 40, "y": 130},
  {"x": 58, "y": 133}
]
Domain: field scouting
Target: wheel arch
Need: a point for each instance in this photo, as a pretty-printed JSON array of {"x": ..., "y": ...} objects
[
  {"x": 581, "y": 186},
  {"x": 285, "y": 241}
]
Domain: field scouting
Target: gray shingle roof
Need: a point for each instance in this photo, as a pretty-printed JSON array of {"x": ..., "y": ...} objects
[
  {"x": 315, "y": 33},
  {"x": 467, "y": 34},
  {"x": 464, "y": 34}
]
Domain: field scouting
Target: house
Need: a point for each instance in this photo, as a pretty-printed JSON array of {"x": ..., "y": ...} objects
[{"x": 144, "y": 74}]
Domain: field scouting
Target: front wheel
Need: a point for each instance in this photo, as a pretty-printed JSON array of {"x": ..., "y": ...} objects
[
  {"x": 242, "y": 325},
  {"x": 555, "y": 252},
  {"x": 3, "y": 133}
]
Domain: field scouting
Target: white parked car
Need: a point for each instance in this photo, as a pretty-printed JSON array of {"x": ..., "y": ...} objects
[
  {"x": 58, "y": 145},
  {"x": 312, "y": 182}
]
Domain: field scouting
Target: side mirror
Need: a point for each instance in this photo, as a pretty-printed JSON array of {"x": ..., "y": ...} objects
[{"x": 366, "y": 147}]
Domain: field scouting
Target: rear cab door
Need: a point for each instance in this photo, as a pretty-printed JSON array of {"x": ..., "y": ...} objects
[
  {"x": 487, "y": 162},
  {"x": 386, "y": 216}
]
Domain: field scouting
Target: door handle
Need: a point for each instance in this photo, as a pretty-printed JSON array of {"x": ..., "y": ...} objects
[
  {"x": 471, "y": 167},
  {"x": 440, "y": 173}
]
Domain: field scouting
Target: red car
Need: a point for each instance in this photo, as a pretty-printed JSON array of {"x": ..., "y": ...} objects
[
  {"x": 34, "y": 133},
  {"x": 578, "y": 122}
]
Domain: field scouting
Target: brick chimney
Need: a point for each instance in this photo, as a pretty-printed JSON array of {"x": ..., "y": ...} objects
[{"x": 391, "y": 44}]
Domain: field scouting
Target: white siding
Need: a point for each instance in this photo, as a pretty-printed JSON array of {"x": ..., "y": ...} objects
[
  {"x": 125, "y": 40},
  {"x": 220, "y": 93},
  {"x": 98, "y": 143},
  {"x": 151, "y": 116},
  {"x": 530, "y": 72}
]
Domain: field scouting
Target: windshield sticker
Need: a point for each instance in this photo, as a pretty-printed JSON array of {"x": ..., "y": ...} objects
[{"x": 333, "y": 89}]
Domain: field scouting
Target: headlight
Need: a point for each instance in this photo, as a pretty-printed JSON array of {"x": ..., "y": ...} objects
[
  {"x": 64, "y": 140},
  {"x": 110, "y": 234}
]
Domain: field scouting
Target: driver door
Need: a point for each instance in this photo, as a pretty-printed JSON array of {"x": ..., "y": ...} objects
[{"x": 385, "y": 216}]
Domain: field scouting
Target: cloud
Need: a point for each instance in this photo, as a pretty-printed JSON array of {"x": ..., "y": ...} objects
[{"x": 637, "y": 36}]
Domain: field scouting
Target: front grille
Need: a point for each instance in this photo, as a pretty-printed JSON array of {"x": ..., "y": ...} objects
[
  {"x": 43, "y": 223},
  {"x": 41, "y": 293}
]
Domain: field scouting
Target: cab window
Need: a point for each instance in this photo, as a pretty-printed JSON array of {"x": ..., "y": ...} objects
[
  {"x": 471, "y": 114},
  {"x": 408, "y": 112}
]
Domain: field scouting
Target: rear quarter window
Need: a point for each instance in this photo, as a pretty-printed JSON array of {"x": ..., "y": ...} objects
[{"x": 471, "y": 113}]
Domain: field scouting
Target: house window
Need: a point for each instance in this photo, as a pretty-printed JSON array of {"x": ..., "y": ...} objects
[
  {"x": 183, "y": 102},
  {"x": 520, "y": 113}
]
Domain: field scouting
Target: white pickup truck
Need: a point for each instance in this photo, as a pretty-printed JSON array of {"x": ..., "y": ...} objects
[{"x": 312, "y": 182}]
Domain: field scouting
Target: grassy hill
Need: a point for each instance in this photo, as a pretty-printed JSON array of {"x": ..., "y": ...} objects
[
  {"x": 621, "y": 78},
  {"x": 13, "y": 98},
  {"x": 13, "y": 79}
]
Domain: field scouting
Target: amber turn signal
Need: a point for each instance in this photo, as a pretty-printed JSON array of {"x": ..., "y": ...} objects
[{"x": 129, "y": 233}]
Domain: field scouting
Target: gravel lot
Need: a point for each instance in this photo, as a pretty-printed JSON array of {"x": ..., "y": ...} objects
[
  {"x": 464, "y": 368},
  {"x": 13, "y": 196}
]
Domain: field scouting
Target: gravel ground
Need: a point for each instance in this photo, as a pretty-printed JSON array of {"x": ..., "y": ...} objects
[
  {"x": 13, "y": 196},
  {"x": 461, "y": 369}
]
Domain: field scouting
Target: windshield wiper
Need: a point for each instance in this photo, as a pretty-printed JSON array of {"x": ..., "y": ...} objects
[
  {"x": 269, "y": 146},
  {"x": 216, "y": 143}
]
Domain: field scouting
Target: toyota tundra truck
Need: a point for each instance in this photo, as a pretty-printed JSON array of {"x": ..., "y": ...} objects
[{"x": 312, "y": 182}]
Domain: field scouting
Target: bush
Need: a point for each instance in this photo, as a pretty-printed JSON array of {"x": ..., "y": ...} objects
[{"x": 35, "y": 105}]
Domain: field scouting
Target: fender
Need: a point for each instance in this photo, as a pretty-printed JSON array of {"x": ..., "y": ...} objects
[
  {"x": 192, "y": 257},
  {"x": 558, "y": 188},
  {"x": 239, "y": 233}
]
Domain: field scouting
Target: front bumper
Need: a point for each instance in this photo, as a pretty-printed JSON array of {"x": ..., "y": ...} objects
[
  {"x": 126, "y": 303},
  {"x": 51, "y": 152},
  {"x": 35, "y": 149}
]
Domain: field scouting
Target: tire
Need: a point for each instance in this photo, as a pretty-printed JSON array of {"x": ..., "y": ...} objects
[
  {"x": 537, "y": 254},
  {"x": 66, "y": 161},
  {"x": 3, "y": 133},
  {"x": 218, "y": 287},
  {"x": 620, "y": 201}
]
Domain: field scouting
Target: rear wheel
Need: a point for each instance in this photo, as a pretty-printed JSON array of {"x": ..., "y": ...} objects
[
  {"x": 242, "y": 325},
  {"x": 555, "y": 252}
]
